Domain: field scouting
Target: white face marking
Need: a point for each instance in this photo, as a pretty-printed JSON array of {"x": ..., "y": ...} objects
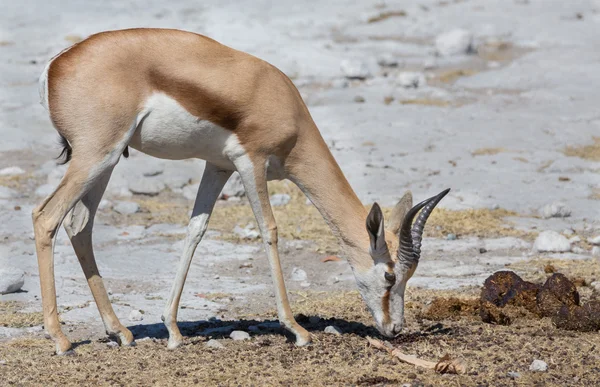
[
  {"x": 388, "y": 311},
  {"x": 166, "y": 130}
]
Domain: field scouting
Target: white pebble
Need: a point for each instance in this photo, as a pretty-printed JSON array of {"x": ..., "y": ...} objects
[
  {"x": 539, "y": 366},
  {"x": 135, "y": 315},
  {"x": 455, "y": 42},
  {"x": 333, "y": 330},
  {"x": 298, "y": 275},
  {"x": 11, "y": 171},
  {"x": 409, "y": 79},
  {"x": 555, "y": 210},
  {"x": 126, "y": 208},
  {"x": 596, "y": 251},
  {"x": 280, "y": 199},
  {"x": 354, "y": 69},
  {"x": 239, "y": 335},
  {"x": 212, "y": 343},
  {"x": 12, "y": 279},
  {"x": 595, "y": 240},
  {"x": 551, "y": 241}
]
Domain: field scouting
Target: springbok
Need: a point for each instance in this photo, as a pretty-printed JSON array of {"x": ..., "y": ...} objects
[{"x": 177, "y": 95}]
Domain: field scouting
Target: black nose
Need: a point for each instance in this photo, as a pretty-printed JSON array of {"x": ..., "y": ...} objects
[{"x": 396, "y": 329}]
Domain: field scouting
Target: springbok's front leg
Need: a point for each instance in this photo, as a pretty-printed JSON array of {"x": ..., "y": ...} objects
[
  {"x": 211, "y": 185},
  {"x": 254, "y": 176}
]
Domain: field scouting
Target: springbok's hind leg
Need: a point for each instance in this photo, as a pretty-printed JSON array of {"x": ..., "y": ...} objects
[
  {"x": 47, "y": 217},
  {"x": 78, "y": 224},
  {"x": 211, "y": 185}
]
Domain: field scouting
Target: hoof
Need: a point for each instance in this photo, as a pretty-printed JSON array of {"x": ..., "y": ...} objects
[
  {"x": 303, "y": 340},
  {"x": 124, "y": 338},
  {"x": 174, "y": 343},
  {"x": 69, "y": 352}
]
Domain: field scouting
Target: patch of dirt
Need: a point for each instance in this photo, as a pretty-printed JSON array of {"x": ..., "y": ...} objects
[
  {"x": 11, "y": 317},
  {"x": 386, "y": 15},
  {"x": 490, "y": 352},
  {"x": 451, "y": 309},
  {"x": 487, "y": 151}
]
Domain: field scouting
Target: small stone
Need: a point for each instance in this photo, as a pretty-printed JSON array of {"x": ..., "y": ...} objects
[
  {"x": 495, "y": 206},
  {"x": 340, "y": 83},
  {"x": 12, "y": 280},
  {"x": 388, "y": 60},
  {"x": 354, "y": 69},
  {"x": 146, "y": 186},
  {"x": 2, "y": 362},
  {"x": 280, "y": 199},
  {"x": 451, "y": 237},
  {"x": 409, "y": 79},
  {"x": 298, "y": 275},
  {"x": 239, "y": 335},
  {"x": 568, "y": 231},
  {"x": 246, "y": 233},
  {"x": 455, "y": 42},
  {"x": 578, "y": 250},
  {"x": 11, "y": 171},
  {"x": 430, "y": 64},
  {"x": 555, "y": 210},
  {"x": 482, "y": 250},
  {"x": 513, "y": 374},
  {"x": 126, "y": 208},
  {"x": 333, "y": 330},
  {"x": 104, "y": 204},
  {"x": 551, "y": 241},
  {"x": 359, "y": 99},
  {"x": 596, "y": 251},
  {"x": 135, "y": 315},
  {"x": 305, "y": 284},
  {"x": 539, "y": 366},
  {"x": 575, "y": 239},
  {"x": 595, "y": 240},
  {"x": 212, "y": 343},
  {"x": 217, "y": 276},
  {"x": 112, "y": 344}
]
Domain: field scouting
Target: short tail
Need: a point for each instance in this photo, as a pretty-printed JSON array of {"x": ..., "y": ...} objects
[
  {"x": 64, "y": 156},
  {"x": 67, "y": 151}
]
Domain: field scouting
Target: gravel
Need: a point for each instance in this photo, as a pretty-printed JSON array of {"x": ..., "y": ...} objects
[
  {"x": 455, "y": 42},
  {"x": 538, "y": 366},
  {"x": 555, "y": 210},
  {"x": 354, "y": 69}
]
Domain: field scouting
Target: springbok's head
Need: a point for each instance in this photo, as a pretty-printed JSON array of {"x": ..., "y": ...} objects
[{"x": 395, "y": 253}]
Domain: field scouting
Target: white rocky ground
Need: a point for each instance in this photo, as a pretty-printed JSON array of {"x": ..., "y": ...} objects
[{"x": 529, "y": 98}]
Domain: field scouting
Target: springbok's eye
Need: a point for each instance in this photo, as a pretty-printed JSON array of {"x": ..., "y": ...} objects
[{"x": 390, "y": 277}]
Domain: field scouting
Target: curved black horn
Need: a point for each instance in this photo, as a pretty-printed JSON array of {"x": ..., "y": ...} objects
[
  {"x": 406, "y": 251},
  {"x": 417, "y": 228}
]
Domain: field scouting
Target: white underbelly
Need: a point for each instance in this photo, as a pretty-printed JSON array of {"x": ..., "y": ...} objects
[{"x": 166, "y": 130}]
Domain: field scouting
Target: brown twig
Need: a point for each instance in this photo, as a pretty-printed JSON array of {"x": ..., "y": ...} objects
[{"x": 446, "y": 365}]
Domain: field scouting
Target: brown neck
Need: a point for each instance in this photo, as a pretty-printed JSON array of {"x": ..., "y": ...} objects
[{"x": 313, "y": 169}]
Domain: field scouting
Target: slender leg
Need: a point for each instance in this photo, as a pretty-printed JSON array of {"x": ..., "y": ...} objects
[
  {"x": 254, "y": 177},
  {"x": 79, "y": 223},
  {"x": 211, "y": 185},
  {"x": 47, "y": 217}
]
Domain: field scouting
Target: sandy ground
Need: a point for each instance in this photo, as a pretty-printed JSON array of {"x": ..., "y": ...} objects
[{"x": 510, "y": 127}]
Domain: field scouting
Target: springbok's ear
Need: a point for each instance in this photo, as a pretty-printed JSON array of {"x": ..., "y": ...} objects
[
  {"x": 376, "y": 230},
  {"x": 399, "y": 212}
]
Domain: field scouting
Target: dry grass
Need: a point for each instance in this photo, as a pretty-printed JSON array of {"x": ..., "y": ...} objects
[
  {"x": 587, "y": 152},
  {"x": 483, "y": 223},
  {"x": 14, "y": 181},
  {"x": 487, "y": 151},
  {"x": 450, "y": 76},
  {"x": 426, "y": 102},
  {"x": 301, "y": 221},
  {"x": 534, "y": 270},
  {"x": 11, "y": 317},
  {"x": 386, "y": 15},
  {"x": 269, "y": 359}
]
